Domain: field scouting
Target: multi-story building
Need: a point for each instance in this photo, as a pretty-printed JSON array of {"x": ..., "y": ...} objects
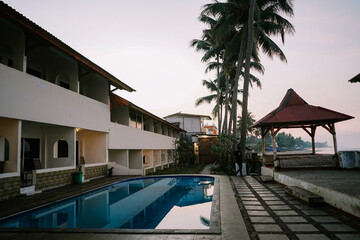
[{"x": 59, "y": 113}]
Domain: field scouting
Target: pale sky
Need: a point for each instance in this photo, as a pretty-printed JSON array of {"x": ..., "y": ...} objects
[{"x": 146, "y": 45}]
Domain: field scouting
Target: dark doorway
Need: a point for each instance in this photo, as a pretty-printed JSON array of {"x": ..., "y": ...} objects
[{"x": 30, "y": 149}]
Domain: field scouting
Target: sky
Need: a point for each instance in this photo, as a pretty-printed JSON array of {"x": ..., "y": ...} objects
[{"x": 146, "y": 44}]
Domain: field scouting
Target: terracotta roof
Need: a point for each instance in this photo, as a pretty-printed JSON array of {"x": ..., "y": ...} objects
[
  {"x": 189, "y": 115},
  {"x": 119, "y": 101},
  {"x": 35, "y": 30},
  {"x": 294, "y": 111}
]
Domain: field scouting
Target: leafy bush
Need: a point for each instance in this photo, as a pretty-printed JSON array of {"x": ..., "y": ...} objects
[{"x": 222, "y": 152}]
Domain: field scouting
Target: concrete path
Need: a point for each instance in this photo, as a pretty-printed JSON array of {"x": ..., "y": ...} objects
[
  {"x": 207, "y": 169},
  {"x": 270, "y": 214},
  {"x": 339, "y": 188}
]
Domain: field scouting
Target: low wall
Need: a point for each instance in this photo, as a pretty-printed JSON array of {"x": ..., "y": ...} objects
[
  {"x": 303, "y": 161},
  {"x": 53, "y": 179},
  {"x": 308, "y": 161},
  {"x": 9, "y": 187},
  {"x": 95, "y": 171}
]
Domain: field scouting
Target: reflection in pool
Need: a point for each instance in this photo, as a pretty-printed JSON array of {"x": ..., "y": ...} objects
[{"x": 146, "y": 203}]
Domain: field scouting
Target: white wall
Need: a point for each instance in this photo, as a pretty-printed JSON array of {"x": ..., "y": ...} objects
[
  {"x": 53, "y": 134},
  {"x": 9, "y": 129},
  {"x": 25, "y": 97},
  {"x": 119, "y": 156},
  {"x": 123, "y": 137},
  {"x": 135, "y": 159},
  {"x": 92, "y": 146},
  {"x": 189, "y": 124}
]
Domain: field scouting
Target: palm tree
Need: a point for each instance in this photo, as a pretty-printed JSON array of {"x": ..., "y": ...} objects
[
  {"x": 212, "y": 50},
  {"x": 232, "y": 29},
  {"x": 250, "y": 120}
]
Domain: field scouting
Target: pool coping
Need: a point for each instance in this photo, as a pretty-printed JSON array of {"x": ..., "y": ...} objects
[{"x": 215, "y": 219}]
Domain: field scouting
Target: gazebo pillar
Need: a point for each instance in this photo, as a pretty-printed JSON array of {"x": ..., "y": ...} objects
[
  {"x": 263, "y": 133},
  {"x": 332, "y": 128},
  {"x": 313, "y": 129},
  {"x": 273, "y": 142}
]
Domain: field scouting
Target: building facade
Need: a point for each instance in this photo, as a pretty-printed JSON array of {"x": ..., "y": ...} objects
[{"x": 59, "y": 114}]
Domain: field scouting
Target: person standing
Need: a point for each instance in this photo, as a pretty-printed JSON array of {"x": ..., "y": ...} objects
[{"x": 238, "y": 159}]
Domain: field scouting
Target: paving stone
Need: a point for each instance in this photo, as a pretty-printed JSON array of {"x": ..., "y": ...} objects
[
  {"x": 325, "y": 219},
  {"x": 348, "y": 236},
  {"x": 263, "y": 191},
  {"x": 258, "y": 213},
  {"x": 293, "y": 219},
  {"x": 312, "y": 212},
  {"x": 270, "y": 199},
  {"x": 267, "y": 228},
  {"x": 285, "y": 213},
  {"x": 251, "y": 203},
  {"x": 207, "y": 237},
  {"x": 273, "y": 237},
  {"x": 254, "y": 207},
  {"x": 294, "y": 202},
  {"x": 302, "y": 228},
  {"x": 279, "y": 207},
  {"x": 266, "y": 195},
  {"x": 312, "y": 236},
  {"x": 246, "y": 195},
  {"x": 248, "y": 199},
  {"x": 304, "y": 207},
  {"x": 338, "y": 228},
  {"x": 288, "y": 198},
  {"x": 262, "y": 220},
  {"x": 179, "y": 237},
  {"x": 274, "y": 202}
]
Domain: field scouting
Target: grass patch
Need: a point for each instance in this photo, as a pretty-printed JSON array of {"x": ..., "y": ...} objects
[{"x": 185, "y": 169}]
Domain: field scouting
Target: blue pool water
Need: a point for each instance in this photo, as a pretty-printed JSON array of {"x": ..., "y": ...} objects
[{"x": 145, "y": 203}]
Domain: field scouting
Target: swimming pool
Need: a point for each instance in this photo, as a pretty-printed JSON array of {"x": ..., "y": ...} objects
[{"x": 144, "y": 203}]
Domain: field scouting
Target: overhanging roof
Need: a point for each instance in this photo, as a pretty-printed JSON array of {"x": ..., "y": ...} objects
[
  {"x": 119, "y": 101},
  {"x": 355, "y": 79},
  {"x": 33, "y": 29},
  {"x": 293, "y": 111}
]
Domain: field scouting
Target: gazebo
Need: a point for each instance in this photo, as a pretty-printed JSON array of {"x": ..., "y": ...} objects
[{"x": 294, "y": 112}]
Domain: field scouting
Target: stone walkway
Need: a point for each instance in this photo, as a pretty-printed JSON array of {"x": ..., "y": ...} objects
[{"x": 270, "y": 214}]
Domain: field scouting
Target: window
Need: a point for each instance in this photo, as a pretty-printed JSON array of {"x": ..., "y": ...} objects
[
  {"x": 135, "y": 120},
  {"x": 61, "y": 149},
  {"x": 63, "y": 81},
  {"x": 177, "y": 124}
]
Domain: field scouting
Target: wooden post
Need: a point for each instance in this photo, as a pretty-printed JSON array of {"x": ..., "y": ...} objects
[
  {"x": 332, "y": 127},
  {"x": 273, "y": 142}
]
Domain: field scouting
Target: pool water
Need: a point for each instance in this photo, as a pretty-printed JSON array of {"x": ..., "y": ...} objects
[{"x": 145, "y": 203}]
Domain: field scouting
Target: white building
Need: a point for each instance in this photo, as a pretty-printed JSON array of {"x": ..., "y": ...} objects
[
  {"x": 193, "y": 124},
  {"x": 58, "y": 111}
]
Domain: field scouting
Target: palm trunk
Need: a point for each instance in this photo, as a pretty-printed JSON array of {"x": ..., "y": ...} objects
[
  {"x": 218, "y": 94},
  {"x": 236, "y": 84},
  {"x": 250, "y": 42},
  {"x": 226, "y": 105}
]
